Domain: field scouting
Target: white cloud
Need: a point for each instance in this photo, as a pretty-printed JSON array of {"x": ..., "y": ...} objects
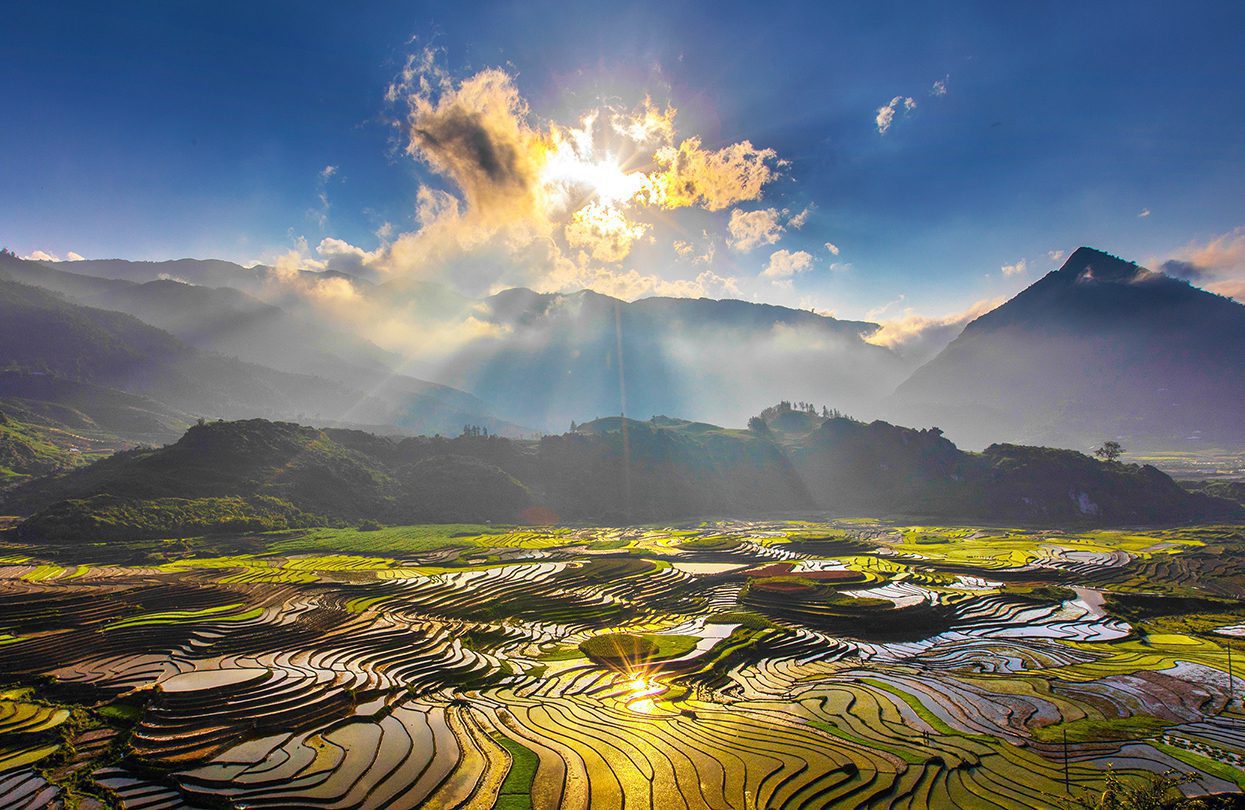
[
  {"x": 1017, "y": 269},
  {"x": 918, "y": 338},
  {"x": 343, "y": 257},
  {"x": 783, "y": 264},
  {"x": 833, "y": 248},
  {"x": 41, "y": 256},
  {"x": 320, "y": 214},
  {"x": 687, "y": 250},
  {"x": 1055, "y": 256},
  {"x": 1145, "y": 212},
  {"x": 750, "y": 229},
  {"x": 74, "y": 257},
  {"x": 801, "y": 219},
  {"x": 940, "y": 87},
  {"x": 886, "y": 114},
  {"x": 877, "y": 312}
]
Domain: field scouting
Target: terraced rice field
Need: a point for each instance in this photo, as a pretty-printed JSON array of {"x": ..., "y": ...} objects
[{"x": 855, "y": 664}]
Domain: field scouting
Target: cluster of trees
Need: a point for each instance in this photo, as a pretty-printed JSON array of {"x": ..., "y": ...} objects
[{"x": 809, "y": 408}]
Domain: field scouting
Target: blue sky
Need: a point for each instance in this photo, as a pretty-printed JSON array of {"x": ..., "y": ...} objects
[{"x": 158, "y": 130}]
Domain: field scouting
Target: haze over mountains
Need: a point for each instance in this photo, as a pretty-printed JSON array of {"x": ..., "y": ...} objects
[{"x": 1098, "y": 349}]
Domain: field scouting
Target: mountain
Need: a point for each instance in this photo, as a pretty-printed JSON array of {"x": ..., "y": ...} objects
[
  {"x": 224, "y": 319},
  {"x": 613, "y": 469},
  {"x": 94, "y": 414},
  {"x": 563, "y": 357},
  {"x": 31, "y": 446},
  {"x": 206, "y": 272},
  {"x": 542, "y": 360},
  {"x": 231, "y": 322},
  {"x": 1099, "y": 349},
  {"x": 45, "y": 335}
]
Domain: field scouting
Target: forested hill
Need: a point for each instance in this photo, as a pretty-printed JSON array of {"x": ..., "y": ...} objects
[{"x": 255, "y": 474}]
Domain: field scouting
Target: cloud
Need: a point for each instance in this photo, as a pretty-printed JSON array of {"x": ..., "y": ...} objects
[
  {"x": 320, "y": 214},
  {"x": 1056, "y": 256},
  {"x": 1217, "y": 265},
  {"x": 476, "y": 135},
  {"x": 687, "y": 250},
  {"x": 647, "y": 125},
  {"x": 750, "y": 229},
  {"x": 918, "y": 338},
  {"x": 508, "y": 198},
  {"x": 540, "y": 202},
  {"x": 74, "y": 257},
  {"x": 342, "y": 257},
  {"x": 833, "y": 248},
  {"x": 41, "y": 256},
  {"x": 939, "y": 87},
  {"x": 784, "y": 264},
  {"x": 1179, "y": 268},
  {"x": 877, "y": 312},
  {"x": 1017, "y": 269},
  {"x": 886, "y": 114},
  {"x": 603, "y": 231},
  {"x": 691, "y": 175},
  {"x": 1145, "y": 212},
  {"x": 801, "y": 219}
]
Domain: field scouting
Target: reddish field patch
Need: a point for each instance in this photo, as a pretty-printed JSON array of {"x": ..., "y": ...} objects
[{"x": 784, "y": 569}]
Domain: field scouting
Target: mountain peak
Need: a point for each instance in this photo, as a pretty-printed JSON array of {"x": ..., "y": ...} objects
[{"x": 1090, "y": 264}]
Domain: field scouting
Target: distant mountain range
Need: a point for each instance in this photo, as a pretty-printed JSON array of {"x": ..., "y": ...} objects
[
  {"x": 231, "y": 476},
  {"x": 719, "y": 360},
  {"x": 1100, "y": 349},
  {"x": 55, "y": 351}
]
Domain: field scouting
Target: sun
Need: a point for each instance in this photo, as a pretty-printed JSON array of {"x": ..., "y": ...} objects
[{"x": 603, "y": 180}]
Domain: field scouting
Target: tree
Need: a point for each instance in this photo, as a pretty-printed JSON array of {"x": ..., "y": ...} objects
[
  {"x": 1109, "y": 452},
  {"x": 757, "y": 425}
]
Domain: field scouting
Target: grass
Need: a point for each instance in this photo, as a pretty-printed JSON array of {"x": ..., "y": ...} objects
[
  {"x": 220, "y": 613},
  {"x": 391, "y": 540},
  {"x": 1202, "y": 763},
  {"x": 627, "y": 650},
  {"x": 516, "y": 790},
  {"x": 1102, "y": 729}
]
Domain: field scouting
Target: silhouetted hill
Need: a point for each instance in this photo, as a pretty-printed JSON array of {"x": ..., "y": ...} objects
[
  {"x": 610, "y": 469},
  {"x": 1099, "y": 349},
  {"x": 558, "y": 358}
]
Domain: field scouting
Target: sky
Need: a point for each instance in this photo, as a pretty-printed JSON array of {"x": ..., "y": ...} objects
[{"x": 910, "y": 163}]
